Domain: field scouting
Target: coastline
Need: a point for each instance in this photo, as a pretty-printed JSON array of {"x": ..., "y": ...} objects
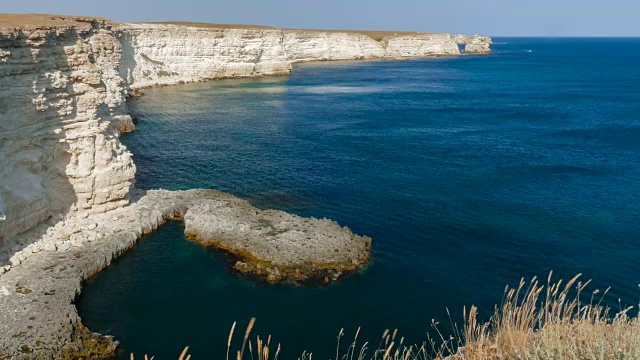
[
  {"x": 79, "y": 209},
  {"x": 42, "y": 290}
]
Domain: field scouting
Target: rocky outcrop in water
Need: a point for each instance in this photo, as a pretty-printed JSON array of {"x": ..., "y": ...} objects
[
  {"x": 474, "y": 44},
  {"x": 38, "y": 317},
  {"x": 275, "y": 245}
]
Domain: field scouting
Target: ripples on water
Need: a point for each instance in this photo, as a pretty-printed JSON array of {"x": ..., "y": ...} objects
[{"x": 468, "y": 173}]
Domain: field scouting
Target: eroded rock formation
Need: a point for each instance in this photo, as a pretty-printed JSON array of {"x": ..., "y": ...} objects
[
  {"x": 38, "y": 315},
  {"x": 61, "y": 100},
  {"x": 474, "y": 44},
  {"x": 276, "y": 245}
]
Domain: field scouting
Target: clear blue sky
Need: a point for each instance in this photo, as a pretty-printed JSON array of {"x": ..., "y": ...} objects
[{"x": 491, "y": 17}]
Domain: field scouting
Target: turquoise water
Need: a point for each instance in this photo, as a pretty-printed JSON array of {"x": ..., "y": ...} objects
[{"x": 468, "y": 173}]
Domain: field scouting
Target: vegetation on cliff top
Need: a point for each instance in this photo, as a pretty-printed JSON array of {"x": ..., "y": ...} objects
[
  {"x": 374, "y": 34},
  {"x": 535, "y": 321},
  {"x": 51, "y": 20}
]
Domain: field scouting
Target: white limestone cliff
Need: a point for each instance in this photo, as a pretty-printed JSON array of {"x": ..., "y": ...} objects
[
  {"x": 66, "y": 180},
  {"x": 160, "y": 54},
  {"x": 170, "y": 54},
  {"x": 474, "y": 44},
  {"x": 63, "y": 88},
  {"x": 61, "y": 98}
]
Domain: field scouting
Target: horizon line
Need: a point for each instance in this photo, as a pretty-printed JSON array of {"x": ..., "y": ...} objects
[{"x": 338, "y": 29}]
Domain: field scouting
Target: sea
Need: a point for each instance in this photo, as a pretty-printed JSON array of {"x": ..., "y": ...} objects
[{"x": 469, "y": 173}]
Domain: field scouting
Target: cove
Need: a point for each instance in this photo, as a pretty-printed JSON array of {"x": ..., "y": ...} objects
[{"x": 468, "y": 174}]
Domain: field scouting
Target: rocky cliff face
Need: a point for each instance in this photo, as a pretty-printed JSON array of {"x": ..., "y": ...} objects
[
  {"x": 157, "y": 54},
  {"x": 61, "y": 101},
  {"x": 170, "y": 54},
  {"x": 63, "y": 87},
  {"x": 474, "y": 44},
  {"x": 63, "y": 83}
]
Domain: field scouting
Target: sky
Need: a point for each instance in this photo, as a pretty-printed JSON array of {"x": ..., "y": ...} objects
[{"x": 486, "y": 17}]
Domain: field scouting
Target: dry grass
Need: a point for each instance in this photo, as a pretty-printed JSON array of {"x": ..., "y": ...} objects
[
  {"x": 534, "y": 322},
  {"x": 212, "y": 26},
  {"x": 8, "y": 21},
  {"x": 374, "y": 34},
  {"x": 552, "y": 322}
]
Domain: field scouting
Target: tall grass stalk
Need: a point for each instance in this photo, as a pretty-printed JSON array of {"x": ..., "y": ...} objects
[{"x": 534, "y": 321}]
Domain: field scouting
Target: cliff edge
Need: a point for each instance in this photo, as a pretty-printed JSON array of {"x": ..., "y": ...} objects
[
  {"x": 68, "y": 204},
  {"x": 61, "y": 103},
  {"x": 64, "y": 80}
]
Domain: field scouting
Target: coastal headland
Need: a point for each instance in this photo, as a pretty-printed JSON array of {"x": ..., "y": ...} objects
[{"x": 68, "y": 203}]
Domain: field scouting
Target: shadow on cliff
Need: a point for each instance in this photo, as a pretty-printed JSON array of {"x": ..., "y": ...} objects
[
  {"x": 41, "y": 132},
  {"x": 127, "y": 60},
  {"x": 34, "y": 185}
]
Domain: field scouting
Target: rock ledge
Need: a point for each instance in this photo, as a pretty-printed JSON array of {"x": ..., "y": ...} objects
[
  {"x": 41, "y": 288},
  {"x": 275, "y": 245}
]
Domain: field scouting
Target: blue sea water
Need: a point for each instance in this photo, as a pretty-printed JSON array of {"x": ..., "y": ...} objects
[{"x": 468, "y": 173}]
